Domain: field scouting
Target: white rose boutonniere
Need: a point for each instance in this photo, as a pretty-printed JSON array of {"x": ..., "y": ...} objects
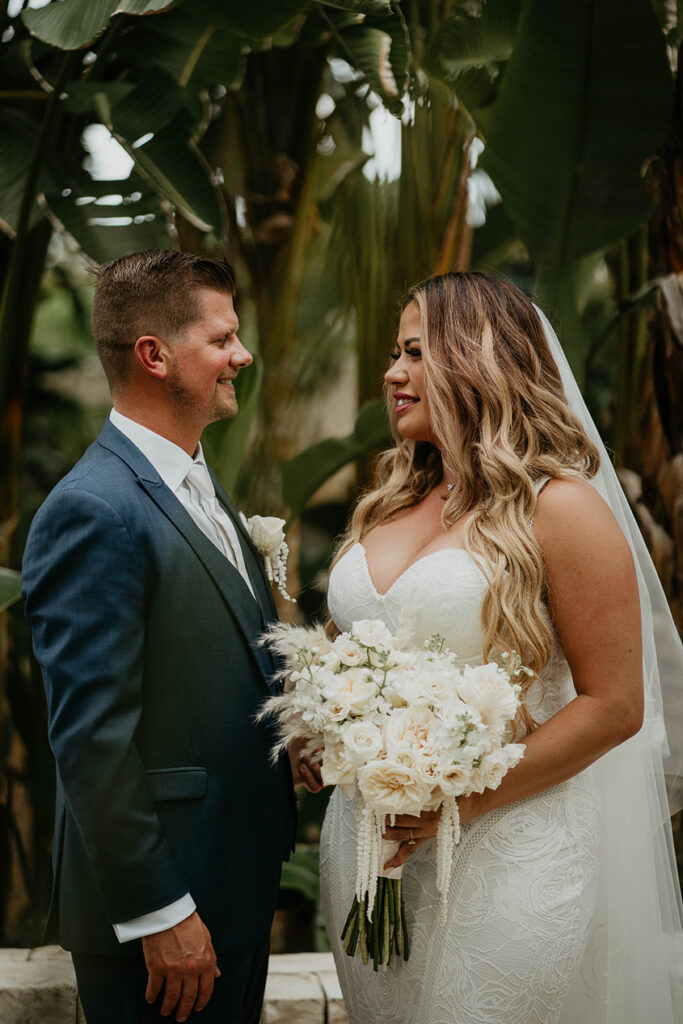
[{"x": 268, "y": 536}]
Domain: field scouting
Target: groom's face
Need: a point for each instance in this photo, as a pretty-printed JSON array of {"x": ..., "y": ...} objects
[{"x": 205, "y": 361}]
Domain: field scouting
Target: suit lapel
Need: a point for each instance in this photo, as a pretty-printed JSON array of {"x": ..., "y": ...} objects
[{"x": 234, "y": 591}]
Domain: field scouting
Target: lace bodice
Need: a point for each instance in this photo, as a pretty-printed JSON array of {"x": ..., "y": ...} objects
[{"x": 441, "y": 593}]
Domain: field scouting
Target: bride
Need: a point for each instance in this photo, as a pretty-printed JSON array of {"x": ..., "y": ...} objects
[{"x": 498, "y": 522}]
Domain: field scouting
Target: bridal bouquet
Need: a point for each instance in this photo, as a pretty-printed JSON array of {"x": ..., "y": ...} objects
[{"x": 405, "y": 729}]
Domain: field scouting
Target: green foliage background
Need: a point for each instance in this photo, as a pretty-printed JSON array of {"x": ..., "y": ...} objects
[{"x": 247, "y": 129}]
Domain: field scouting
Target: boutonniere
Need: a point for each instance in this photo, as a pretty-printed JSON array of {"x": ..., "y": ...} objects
[{"x": 268, "y": 537}]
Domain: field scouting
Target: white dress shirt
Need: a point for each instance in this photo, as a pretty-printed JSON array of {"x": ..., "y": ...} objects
[{"x": 197, "y": 496}]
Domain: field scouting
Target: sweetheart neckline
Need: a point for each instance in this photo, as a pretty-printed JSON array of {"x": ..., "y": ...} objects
[{"x": 407, "y": 569}]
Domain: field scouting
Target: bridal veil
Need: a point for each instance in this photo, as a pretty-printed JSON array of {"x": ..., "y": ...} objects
[{"x": 632, "y": 971}]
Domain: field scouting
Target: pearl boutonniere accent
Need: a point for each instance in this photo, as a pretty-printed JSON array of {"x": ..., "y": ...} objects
[{"x": 268, "y": 536}]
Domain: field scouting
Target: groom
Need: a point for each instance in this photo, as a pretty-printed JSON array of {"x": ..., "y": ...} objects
[{"x": 146, "y": 599}]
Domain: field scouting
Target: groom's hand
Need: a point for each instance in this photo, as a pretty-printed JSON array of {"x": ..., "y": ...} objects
[
  {"x": 305, "y": 769},
  {"x": 183, "y": 959}
]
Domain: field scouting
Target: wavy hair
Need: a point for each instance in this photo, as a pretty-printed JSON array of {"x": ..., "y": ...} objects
[{"x": 492, "y": 386}]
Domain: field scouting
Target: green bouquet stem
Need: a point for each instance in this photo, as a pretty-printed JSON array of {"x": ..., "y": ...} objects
[{"x": 381, "y": 934}]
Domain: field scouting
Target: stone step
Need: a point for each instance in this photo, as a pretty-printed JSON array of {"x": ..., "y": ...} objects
[{"x": 38, "y": 986}]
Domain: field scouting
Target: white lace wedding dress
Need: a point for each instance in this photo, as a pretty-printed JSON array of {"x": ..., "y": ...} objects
[{"x": 524, "y": 883}]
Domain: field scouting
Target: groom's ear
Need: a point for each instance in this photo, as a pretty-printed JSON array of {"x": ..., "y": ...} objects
[{"x": 152, "y": 355}]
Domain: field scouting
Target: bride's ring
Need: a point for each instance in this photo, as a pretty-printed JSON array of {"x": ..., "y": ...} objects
[{"x": 411, "y": 841}]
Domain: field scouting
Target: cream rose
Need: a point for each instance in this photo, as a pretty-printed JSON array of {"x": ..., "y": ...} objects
[
  {"x": 486, "y": 688},
  {"x": 413, "y": 727},
  {"x": 372, "y": 633},
  {"x": 358, "y": 689},
  {"x": 349, "y": 652},
  {"x": 455, "y": 780},
  {"x": 336, "y": 709},
  {"x": 494, "y": 767},
  {"x": 337, "y": 770},
  {"x": 391, "y": 788},
  {"x": 362, "y": 742}
]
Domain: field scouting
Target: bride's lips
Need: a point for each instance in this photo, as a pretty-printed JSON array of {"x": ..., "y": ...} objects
[{"x": 403, "y": 402}]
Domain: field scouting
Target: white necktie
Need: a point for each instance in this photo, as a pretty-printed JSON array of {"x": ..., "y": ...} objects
[{"x": 222, "y": 528}]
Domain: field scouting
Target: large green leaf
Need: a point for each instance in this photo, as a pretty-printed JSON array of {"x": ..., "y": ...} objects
[
  {"x": 301, "y": 873},
  {"x": 258, "y": 19},
  {"x": 18, "y": 138},
  {"x": 104, "y": 231},
  {"x": 73, "y": 24},
  {"x": 180, "y": 173},
  {"x": 400, "y": 52},
  {"x": 492, "y": 242},
  {"x": 359, "y": 6},
  {"x": 368, "y": 50},
  {"x": 380, "y": 48},
  {"x": 468, "y": 49},
  {"x": 190, "y": 42},
  {"x": 151, "y": 105},
  {"x": 467, "y": 40},
  {"x": 585, "y": 99},
  {"x": 80, "y": 96},
  {"x": 10, "y": 588},
  {"x": 307, "y": 471}
]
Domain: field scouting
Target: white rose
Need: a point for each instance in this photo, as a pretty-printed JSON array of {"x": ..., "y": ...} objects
[
  {"x": 487, "y": 689},
  {"x": 267, "y": 533},
  {"x": 429, "y": 769},
  {"x": 357, "y": 689},
  {"x": 455, "y": 779},
  {"x": 337, "y": 770},
  {"x": 495, "y": 766},
  {"x": 391, "y": 788},
  {"x": 362, "y": 742},
  {"x": 336, "y": 709},
  {"x": 348, "y": 651},
  {"x": 372, "y": 633},
  {"x": 413, "y": 727},
  {"x": 437, "y": 683}
]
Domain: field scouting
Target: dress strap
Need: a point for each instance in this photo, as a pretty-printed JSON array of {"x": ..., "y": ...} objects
[{"x": 538, "y": 487}]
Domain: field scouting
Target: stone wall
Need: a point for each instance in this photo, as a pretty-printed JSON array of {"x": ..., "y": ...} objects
[{"x": 37, "y": 986}]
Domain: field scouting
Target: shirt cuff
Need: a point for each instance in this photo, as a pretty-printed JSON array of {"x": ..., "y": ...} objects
[{"x": 157, "y": 921}]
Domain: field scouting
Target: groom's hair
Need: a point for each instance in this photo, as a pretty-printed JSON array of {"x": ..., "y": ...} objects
[{"x": 152, "y": 292}]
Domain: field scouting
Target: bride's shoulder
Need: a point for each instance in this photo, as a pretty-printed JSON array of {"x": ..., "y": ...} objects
[{"x": 574, "y": 521}]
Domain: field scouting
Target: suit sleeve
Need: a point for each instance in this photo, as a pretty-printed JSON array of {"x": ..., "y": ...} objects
[{"x": 84, "y": 586}]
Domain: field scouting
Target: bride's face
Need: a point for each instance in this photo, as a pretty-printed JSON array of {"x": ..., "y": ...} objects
[{"x": 406, "y": 380}]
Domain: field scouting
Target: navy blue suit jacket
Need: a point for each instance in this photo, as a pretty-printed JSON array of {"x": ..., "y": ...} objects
[{"x": 146, "y": 636}]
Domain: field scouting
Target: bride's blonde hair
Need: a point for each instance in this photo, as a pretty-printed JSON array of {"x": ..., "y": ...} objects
[{"x": 503, "y": 422}]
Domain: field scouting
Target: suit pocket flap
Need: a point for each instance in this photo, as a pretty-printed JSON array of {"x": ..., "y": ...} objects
[{"x": 177, "y": 783}]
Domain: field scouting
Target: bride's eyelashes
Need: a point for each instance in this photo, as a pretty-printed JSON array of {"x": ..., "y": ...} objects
[{"x": 415, "y": 352}]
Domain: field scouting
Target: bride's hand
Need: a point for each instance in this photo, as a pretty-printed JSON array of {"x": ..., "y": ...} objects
[
  {"x": 306, "y": 769},
  {"x": 411, "y": 832}
]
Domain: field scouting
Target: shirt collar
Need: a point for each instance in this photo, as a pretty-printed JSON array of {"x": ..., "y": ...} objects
[{"x": 169, "y": 460}]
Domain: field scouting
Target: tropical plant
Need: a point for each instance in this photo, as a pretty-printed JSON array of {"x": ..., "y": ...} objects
[{"x": 186, "y": 74}]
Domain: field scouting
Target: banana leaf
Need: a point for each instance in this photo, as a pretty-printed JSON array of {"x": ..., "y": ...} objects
[
  {"x": 307, "y": 471},
  {"x": 74, "y": 24},
  {"x": 10, "y": 588}
]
